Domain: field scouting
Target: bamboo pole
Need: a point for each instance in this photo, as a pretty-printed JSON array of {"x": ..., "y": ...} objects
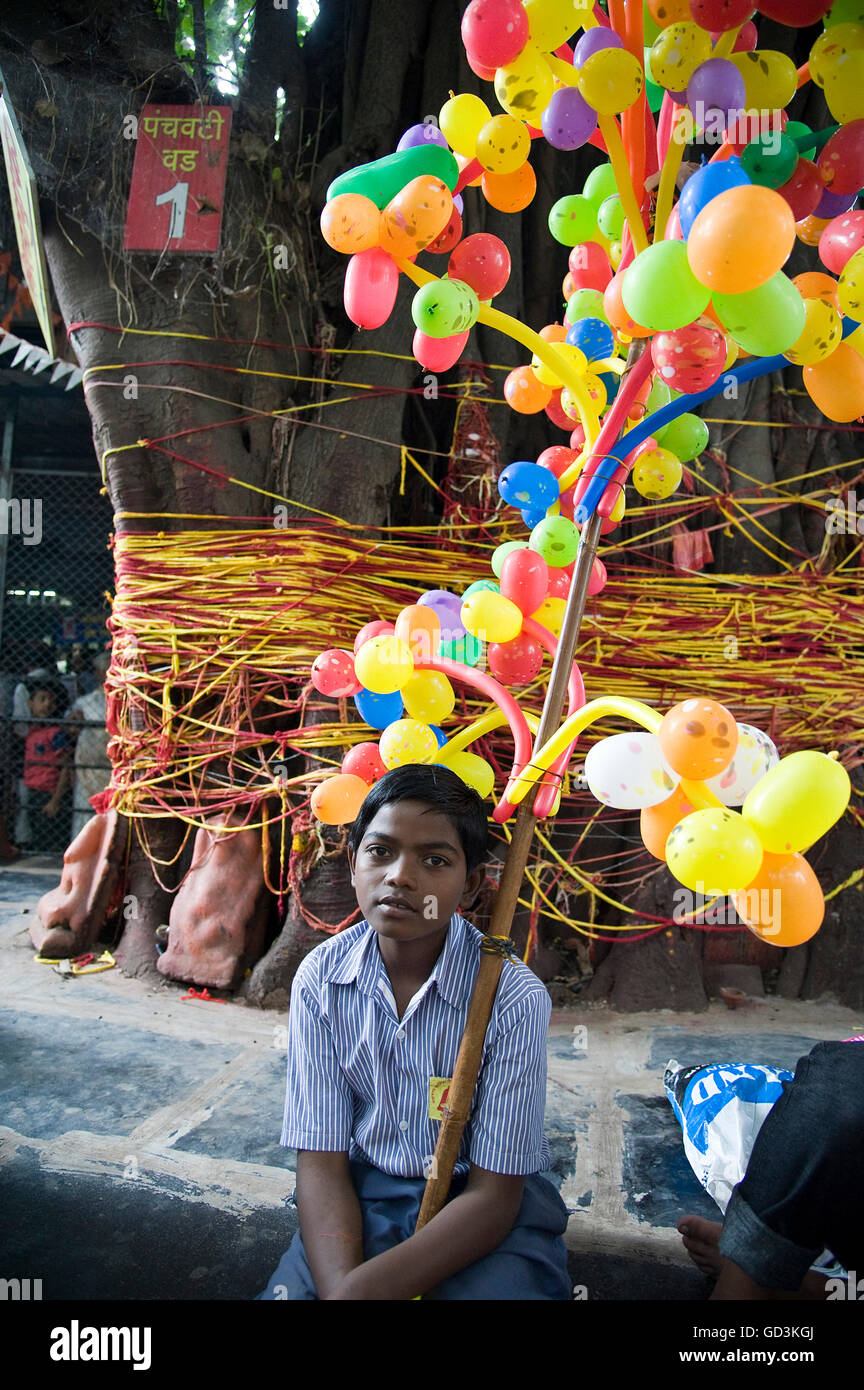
[{"x": 467, "y": 1066}]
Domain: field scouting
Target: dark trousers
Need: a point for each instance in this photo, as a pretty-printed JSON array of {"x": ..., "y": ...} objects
[{"x": 803, "y": 1189}]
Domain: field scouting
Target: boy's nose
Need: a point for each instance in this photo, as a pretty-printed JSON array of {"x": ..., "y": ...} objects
[{"x": 400, "y": 873}]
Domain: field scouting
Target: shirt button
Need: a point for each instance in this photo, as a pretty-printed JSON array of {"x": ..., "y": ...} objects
[
  {"x": 403, "y": 1125},
  {"x": 400, "y": 1037}
]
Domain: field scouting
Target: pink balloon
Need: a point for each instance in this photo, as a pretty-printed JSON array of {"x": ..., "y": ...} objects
[
  {"x": 838, "y": 243},
  {"x": 364, "y": 761},
  {"x": 673, "y": 226},
  {"x": 597, "y": 580},
  {"x": 589, "y": 266},
  {"x": 371, "y": 283},
  {"x": 333, "y": 673},
  {"x": 438, "y": 354},
  {"x": 377, "y": 628},
  {"x": 524, "y": 579},
  {"x": 557, "y": 458},
  {"x": 841, "y": 162},
  {"x": 516, "y": 662}
]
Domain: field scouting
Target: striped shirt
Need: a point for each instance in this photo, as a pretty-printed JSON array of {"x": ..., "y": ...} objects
[{"x": 358, "y": 1076}]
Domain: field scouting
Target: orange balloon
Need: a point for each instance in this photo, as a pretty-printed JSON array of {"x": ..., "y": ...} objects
[
  {"x": 836, "y": 384},
  {"x": 553, "y": 333},
  {"x": 784, "y": 904},
  {"x": 815, "y": 284},
  {"x": 658, "y": 822},
  {"x": 741, "y": 239},
  {"x": 338, "y": 800},
  {"x": 666, "y": 12},
  {"x": 510, "y": 192},
  {"x": 349, "y": 223},
  {"x": 567, "y": 286},
  {"x": 525, "y": 394},
  {"x": 416, "y": 216},
  {"x": 463, "y": 161},
  {"x": 613, "y": 307},
  {"x": 698, "y": 738},
  {"x": 419, "y": 628},
  {"x": 810, "y": 229}
]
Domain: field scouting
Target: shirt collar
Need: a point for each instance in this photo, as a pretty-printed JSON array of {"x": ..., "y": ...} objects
[{"x": 452, "y": 973}]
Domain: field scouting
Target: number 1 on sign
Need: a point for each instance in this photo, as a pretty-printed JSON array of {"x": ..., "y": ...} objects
[{"x": 176, "y": 196}]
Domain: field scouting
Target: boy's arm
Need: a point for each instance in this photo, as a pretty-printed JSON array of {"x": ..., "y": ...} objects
[
  {"x": 331, "y": 1223},
  {"x": 470, "y": 1226}
]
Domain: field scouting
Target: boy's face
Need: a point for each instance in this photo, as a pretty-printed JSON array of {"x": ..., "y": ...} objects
[
  {"x": 42, "y": 704},
  {"x": 409, "y": 872}
]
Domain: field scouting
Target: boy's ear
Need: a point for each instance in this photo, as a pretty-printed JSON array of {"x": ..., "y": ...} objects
[
  {"x": 351, "y": 862},
  {"x": 472, "y": 885}
]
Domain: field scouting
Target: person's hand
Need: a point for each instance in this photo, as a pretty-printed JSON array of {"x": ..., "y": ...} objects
[{"x": 51, "y": 809}]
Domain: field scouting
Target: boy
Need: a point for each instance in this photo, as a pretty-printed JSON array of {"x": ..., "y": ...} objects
[
  {"x": 46, "y": 775},
  {"x": 376, "y": 1018}
]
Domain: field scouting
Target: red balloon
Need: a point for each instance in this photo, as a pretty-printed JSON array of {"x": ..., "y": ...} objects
[
  {"x": 371, "y": 284},
  {"x": 797, "y": 14},
  {"x": 841, "y": 162},
  {"x": 559, "y": 584},
  {"x": 483, "y": 262},
  {"x": 557, "y": 459},
  {"x": 747, "y": 38},
  {"x": 803, "y": 191},
  {"x": 567, "y": 502},
  {"x": 598, "y": 577},
  {"x": 364, "y": 761},
  {"x": 516, "y": 662},
  {"x": 333, "y": 673},
  {"x": 494, "y": 32},
  {"x": 487, "y": 74},
  {"x": 446, "y": 240},
  {"x": 673, "y": 230},
  {"x": 438, "y": 354},
  {"x": 720, "y": 15},
  {"x": 556, "y": 414},
  {"x": 577, "y": 439},
  {"x": 690, "y": 359},
  {"x": 843, "y": 236},
  {"x": 524, "y": 580},
  {"x": 589, "y": 266},
  {"x": 377, "y": 628}
]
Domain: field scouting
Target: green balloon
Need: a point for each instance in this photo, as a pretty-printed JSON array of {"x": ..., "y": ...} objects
[
  {"x": 478, "y": 585},
  {"x": 445, "y": 307},
  {"x": 652, "y": 29},
  {"x": 686, "y": 437},
  {"x": 659, "y": 395},
  {"x": 467, "y": 649},
  {"x": 500, "y": 555},
  {"x": 660, "y": 290},
  {"x": 796, "y": 130},
  {"x": 600, "y": 184},
  {"x": 573, "y": 219},
  {"x": 556, "y": 540},
  {"x": 844, "y": 12},
  {"x": 610, "y": 217},
  {"x": 768, "y": 163},
  {"x": 764, "y": 321},
  {"x": 585, "y": 304},
  {"x": 384, "y": 178}
]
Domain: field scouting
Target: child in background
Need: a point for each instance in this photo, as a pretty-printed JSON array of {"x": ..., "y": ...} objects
[
  {"x": 43, "y": 822},
  {"x": 376, "y": 1017}
]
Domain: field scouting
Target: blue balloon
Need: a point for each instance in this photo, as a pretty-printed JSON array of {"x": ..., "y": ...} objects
[
  {"x": 378, "y": 710},
  {"x": 611, "y": 381},
  {"x": 594, "y": 337},
  {"x": 525, "y": 484},
  {"x": 705, "y": 184},
  {"x": 533, "y": 518},
  {"x": 439, "y": 734}
]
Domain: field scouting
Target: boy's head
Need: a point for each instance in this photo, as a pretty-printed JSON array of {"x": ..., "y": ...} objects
[
  {"x": 46, "y": 698},
  {"x": 417, "y": 850}
]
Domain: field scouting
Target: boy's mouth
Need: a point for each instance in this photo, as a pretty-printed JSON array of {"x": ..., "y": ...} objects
[{"x": 397, "y": 906}]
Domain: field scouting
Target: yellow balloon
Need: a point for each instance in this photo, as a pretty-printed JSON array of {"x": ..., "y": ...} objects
[
  {"x": 713, "y": 851},
  {"x": 795, "y": 803},
  {"x": 384, "y": 664},
  {"x": 850, "y": 288},
  {"x": 550, "y": 615},
  {"x": 770, "y": 78},
  {"x": 407, "y": 741},
  {"x": 656, "y": 474},
  {"x": 832, "y": 45},
  {"x": 429, "y": 697},
  {"x": 474, "y": 771},
  {"x": 461, "y": 119},
  {"x": 856, "y": 340},
  {"x": 570, "y": 353},
  {"x": 553, "y": 22},
  {"x": 524, "y": 86},
  {"x": 844, "y": 88},
  {"x": 677, "y": 52},
  {"x": 823, "y": 332},
  {"x": 611, "y": 80},
  {"x": 503, "y": 145},
  {"x": 489, "y": 616},
  {"x": 619, "y": 507}
]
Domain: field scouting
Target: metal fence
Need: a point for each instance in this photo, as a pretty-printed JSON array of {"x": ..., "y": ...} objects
[{"x": 56, "y": 570}]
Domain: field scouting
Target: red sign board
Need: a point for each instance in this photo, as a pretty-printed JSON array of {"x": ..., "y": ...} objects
[{"x": 178, "y": 179}]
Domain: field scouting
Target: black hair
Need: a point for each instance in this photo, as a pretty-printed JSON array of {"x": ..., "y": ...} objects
[
  {"x": 54, "y": 687},
  {"x": 439, "y": 788}
]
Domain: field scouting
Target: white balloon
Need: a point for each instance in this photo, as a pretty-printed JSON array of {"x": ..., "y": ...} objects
[
  {"x": 628, "y": 771},
  {"x": 754, "y": 756}
]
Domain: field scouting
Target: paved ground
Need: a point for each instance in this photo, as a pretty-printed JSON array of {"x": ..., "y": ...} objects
[{"x": 139, "y": 1153}]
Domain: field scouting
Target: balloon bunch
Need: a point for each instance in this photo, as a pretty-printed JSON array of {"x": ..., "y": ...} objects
[{"x": 684, "y": 775}]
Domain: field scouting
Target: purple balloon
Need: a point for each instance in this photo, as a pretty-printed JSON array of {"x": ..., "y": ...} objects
[
  {"x": 568, "y": 120},
  {"x": 717, "y": 85},
  {"x": 459, "y": 203},
  {"x": 427, "y": 134},
  {"x": 594, "y": 42},
  {"x": 832, "y": 204},
  {"x": 435, "y": 597}
]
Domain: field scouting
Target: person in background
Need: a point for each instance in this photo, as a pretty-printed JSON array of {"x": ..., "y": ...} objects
[
  {"x": 43, "y": 821},
  {"x": 92, "y": 764}
]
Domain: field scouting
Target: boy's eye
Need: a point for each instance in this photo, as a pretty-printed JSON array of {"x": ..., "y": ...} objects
[{"x": 435, "y": 860}]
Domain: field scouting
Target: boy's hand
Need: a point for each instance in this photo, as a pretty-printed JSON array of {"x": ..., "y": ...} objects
[
  {"x": 50, "y": 809},
  {"x": 331, "y": 1222}
]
